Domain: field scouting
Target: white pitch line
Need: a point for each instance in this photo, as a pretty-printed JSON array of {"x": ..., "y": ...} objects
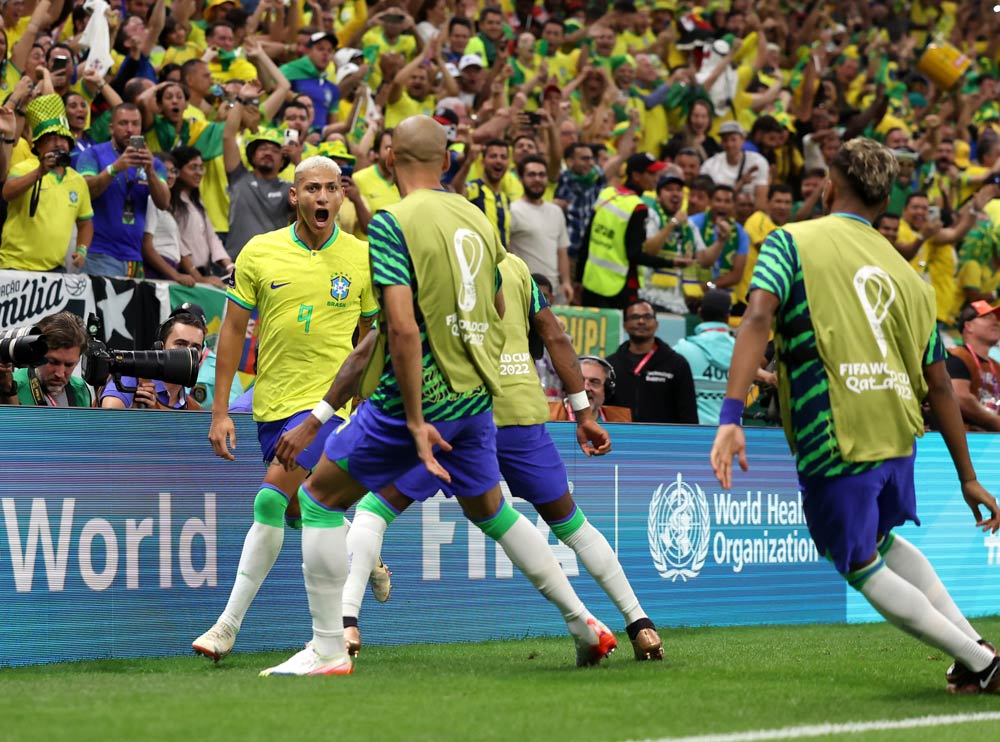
[{"x": 822, "y": 730}]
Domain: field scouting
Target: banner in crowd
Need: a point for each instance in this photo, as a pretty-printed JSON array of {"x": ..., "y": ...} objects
[
  {"x": 25, "y": 298},
  {"x": 595, "y": 332},
  {"x": 130, "y": 311},
  {"x": 127, "y": 544}
]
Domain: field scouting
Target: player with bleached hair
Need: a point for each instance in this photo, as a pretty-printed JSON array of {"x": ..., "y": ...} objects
[
  {"x": 311, "y": 286},
  {"x": 859, "y": 350},
  {"x": 435, "y": 259}
]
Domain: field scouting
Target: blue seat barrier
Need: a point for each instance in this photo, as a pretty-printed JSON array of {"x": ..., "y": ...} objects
[{"x": 121, "y": 533}]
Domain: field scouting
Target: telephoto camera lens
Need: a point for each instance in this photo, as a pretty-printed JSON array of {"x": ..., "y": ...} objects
[
  {"x": 176, "y": 366},
  {"x": 24, "y": 346}
]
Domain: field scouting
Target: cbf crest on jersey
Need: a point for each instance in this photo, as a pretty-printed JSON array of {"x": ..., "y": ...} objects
[
  {"x": 678, "y": 530},
  {"x": 340, "y": 288}
]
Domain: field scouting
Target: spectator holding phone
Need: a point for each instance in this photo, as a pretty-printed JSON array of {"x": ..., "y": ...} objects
[
  {"x": 122, "y": 177},
  {"x": 46, "y": 198}
]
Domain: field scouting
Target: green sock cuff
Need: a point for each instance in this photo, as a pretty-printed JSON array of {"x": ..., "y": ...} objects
[
  {"x": 858, "y": 578},
  {"x": 371, "y": 503},
  {"x": 500, "y": 523},
  {"x": 568, "y": 527},
  {"x": 269, "y": 507},
  {"x": 886, "y": 543},
  {"x": 315, "y": 515}
]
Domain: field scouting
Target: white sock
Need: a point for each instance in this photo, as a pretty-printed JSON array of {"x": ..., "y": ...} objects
[
  {"x": 260, "y": 551},
  {"x": 907, "y": 561},
  {"x": 905, "y": 607},
  {"x": 531, "y": 554},
  {"x": 364, "y": 542},
  {"x": 324, "y": 557},
  {"x": 599, "y": 560}
]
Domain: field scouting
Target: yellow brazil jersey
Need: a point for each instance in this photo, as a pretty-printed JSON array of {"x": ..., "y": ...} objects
[
  {"x": 14, "y": 34},
  {"x": 758, "y": 226},
  {"x": 182, "y": 54},
  {"x": 563, "y": 66},
  {"x": 377, "y": 190},
  {"x": 406, "y": 107},
  {"x": 40, "y": 242},
  {"x": 238, "y": 69},
  {"x": 936, "y": 263},
  {"x": 636, "y": 43},
  {"x": 308, "y": 302},
  {"x": 374, "y": 45}
]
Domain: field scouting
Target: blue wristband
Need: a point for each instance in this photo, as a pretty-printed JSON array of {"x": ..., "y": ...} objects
[{"x": 732, "y": 412}]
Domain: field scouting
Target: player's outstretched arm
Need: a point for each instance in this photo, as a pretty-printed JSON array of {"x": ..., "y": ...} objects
[
  {"x": 344, "y": 387},
  {"x": 945, "y": 407},
  {"x": 751, "y": 342},
  {"x": 404, "y": 349},
  {"x": 593, "y": 439},
  {"x": 222, "y": 433}
]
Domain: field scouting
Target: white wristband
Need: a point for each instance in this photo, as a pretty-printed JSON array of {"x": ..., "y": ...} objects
[
  {"x": 322, "y": 411},
  {"x": 578, "y": 401}
]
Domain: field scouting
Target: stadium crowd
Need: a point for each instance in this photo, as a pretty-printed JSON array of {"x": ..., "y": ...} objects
[{"x": 634, "y": 154}]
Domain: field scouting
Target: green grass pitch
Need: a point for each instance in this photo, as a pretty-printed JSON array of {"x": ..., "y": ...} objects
[{"x": 714, "y": 680}]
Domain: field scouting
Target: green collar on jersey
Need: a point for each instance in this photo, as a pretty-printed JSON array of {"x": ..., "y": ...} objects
[{"x": 304, "y": 246}]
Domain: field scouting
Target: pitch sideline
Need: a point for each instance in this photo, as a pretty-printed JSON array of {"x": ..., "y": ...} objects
[{"x": 822, "y": 730}]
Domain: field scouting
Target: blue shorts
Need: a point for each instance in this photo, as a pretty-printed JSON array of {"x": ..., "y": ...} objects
[
  {"x": 847, "y": 515},
  {"x": 376, "y": 450},
  {"x": 270, "y": 432},
  {"x": 529, "y": 462}
]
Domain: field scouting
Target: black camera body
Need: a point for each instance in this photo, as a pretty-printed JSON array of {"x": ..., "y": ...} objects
[
  {"x": 26, "y": 346},
  {"x": 63, "y": 159},
  {"x": 176, "y": 366}
]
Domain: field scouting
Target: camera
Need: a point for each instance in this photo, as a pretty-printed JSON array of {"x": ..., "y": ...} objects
[
  {"x": 534, "y": 118},
  {"x": 25, "y": 346},
  {"x": 63, "y": 159},
  {"x": 346, "y": 169},
  {"x": 177, "y": 366}
]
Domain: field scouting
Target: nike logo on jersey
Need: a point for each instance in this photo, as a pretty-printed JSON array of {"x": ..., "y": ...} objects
[{"x": 279, "y": 285}]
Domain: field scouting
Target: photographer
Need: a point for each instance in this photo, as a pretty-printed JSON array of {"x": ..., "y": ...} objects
[
  {"x": 181, "y": 330},
  {"x": 46, "y": 197},
  {"x": 50, "y": 384}
]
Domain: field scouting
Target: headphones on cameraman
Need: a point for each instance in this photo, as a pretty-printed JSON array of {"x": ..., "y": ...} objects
[
  {"x": 163, "y": 331},
  {"x": 609, "y": 382}
]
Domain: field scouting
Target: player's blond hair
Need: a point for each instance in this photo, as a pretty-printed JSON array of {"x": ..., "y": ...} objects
[
  {"x": 869, "y": 168},
  {"x": 317, "y": 162}
]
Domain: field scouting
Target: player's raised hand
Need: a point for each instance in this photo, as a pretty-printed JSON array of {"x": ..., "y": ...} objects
[
  {"x": 729, "y": 442},
  {"x": 975, "y": 496},
  {"x": 593, "y": 439},
  {"x": 426, "y": 436},
  {"x": 295, "y": 441},
  {"x": 222, "y": 435}
]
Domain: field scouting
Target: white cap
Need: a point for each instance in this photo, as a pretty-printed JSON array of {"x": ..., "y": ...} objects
[
  {"x": 346, "y": 69},
  {"x": 343, "y": 56},
  {"x": 452, "y": 69},
  {"x": 470, "y": 60}
]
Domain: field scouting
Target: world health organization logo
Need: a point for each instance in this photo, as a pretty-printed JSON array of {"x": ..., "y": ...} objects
[{"x": 679, "y": 530}]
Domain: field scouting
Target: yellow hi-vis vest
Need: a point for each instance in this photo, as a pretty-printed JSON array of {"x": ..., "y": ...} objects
[{"x": 607, "y": 261}]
